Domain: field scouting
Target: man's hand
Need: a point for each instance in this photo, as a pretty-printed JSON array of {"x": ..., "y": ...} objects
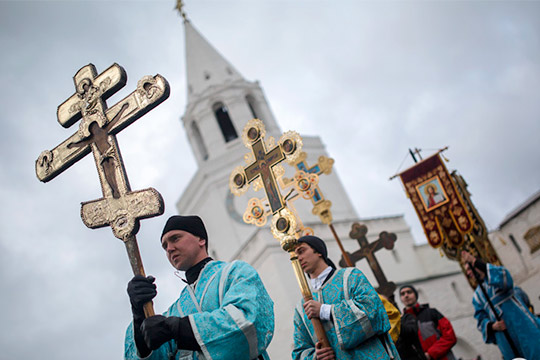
[
  {"x": 324, "y": 353},
  {"x": 312, "y": 309},
  {"x": 428, "y": 357},
  {"x": 499, "y": 325},
  {"x": 141, "y": 290},
  {"x": 159, "y": 329},
  {"x": 467, "y": 257}
]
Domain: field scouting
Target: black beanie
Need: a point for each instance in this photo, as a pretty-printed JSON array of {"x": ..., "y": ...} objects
[
  {"x": 319, "y": 246},
  {"x": 192, "y": 224},
  {"x": 410, "y": 287}
]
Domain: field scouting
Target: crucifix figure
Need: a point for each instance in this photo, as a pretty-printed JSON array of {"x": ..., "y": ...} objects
[
  {"x": 264, "y": 161},
  {"x": 367, "y": 251},
  {"x": 120, "y": 208}
]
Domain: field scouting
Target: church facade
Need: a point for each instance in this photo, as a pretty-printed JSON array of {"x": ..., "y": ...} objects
[{"x": 220, "y": 103}]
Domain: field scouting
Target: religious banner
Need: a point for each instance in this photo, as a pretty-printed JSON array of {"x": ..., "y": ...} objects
[
  {"x": 477, "y": 242},
  {"x": 438, "y": 204}
]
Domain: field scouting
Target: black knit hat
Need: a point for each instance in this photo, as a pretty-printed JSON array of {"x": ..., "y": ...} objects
[
  {"x": 192, "y": 224},
  {"x": 410, "y": 287},
  {"x": 319, "y": 246}
]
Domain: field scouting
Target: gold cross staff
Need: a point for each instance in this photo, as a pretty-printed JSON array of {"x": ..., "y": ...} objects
[
  {"x": 285, "y": 224},
  {"x": 120, "y": 208}
]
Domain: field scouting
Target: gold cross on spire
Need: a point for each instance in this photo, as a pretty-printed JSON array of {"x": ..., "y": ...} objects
[{"x": 179, "y": 7}]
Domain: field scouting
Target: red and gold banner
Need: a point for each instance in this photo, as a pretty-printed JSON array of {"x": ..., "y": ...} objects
[{"x": 439, "y": 206}]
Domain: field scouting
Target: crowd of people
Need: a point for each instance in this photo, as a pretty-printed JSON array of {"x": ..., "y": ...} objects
[{"x": 224, "y": 311}]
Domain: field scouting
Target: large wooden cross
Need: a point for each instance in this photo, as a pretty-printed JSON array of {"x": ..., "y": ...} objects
[
  {"x": 367, "y": 250},
  {"x": 120, "y": 208}
]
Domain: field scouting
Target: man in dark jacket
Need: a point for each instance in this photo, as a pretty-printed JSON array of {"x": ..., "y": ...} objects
[{"x": 434, "y": 331}]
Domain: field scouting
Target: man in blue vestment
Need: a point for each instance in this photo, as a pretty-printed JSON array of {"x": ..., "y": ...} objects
[
  {"x": 520, "y": 324},
  {"x": 349, "y": 308},
  {"x": 223, "y": 313}
]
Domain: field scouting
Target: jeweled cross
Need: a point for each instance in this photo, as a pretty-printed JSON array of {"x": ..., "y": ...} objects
[
  {"x": 367, "y": 251},
  {"x": 262, "y": 166},
  {"x": 120, "y": 208},
  {"x": 323, "y": 166}
]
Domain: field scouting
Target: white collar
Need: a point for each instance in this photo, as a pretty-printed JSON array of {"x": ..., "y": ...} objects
[{"x": 317, "y": 282}]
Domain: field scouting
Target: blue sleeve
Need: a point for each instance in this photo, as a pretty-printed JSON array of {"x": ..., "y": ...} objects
[
  {"x": 482, "y": 318},
  {"x": 362, "y": 315},
  {"x": 304, "y": 348},
  {"x": 244, "y": 321}
]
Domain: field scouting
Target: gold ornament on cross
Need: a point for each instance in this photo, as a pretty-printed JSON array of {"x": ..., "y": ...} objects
[{"x": 263, "y": 168}]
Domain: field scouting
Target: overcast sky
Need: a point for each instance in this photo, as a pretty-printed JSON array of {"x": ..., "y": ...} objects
[{"x": 372, "y": 79}]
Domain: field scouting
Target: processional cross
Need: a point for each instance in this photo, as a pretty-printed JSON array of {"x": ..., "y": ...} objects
[
  {"x": 367, "y": 250},
  {"x": 120, "y": 208},
  {"x": 311, "y": 190},
  {"x": 261, "y": 169}
]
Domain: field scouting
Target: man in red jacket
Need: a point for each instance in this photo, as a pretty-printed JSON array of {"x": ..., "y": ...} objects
[{"x": 435, "y": 332}]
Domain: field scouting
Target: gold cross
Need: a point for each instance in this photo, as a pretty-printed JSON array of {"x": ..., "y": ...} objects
[{"x": 286, "y": 226}]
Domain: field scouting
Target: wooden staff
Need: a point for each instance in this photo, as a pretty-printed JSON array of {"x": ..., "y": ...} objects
[
  {"x": 343, "y": 252},
  {"x": 497, "y": 317},
  {"x": 306, "y": 294},
  {"x": 136, "y": 264}
]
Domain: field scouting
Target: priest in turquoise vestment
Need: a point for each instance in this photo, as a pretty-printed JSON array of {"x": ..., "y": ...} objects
[
  {"x": 223, "y": 312},
  {"x": 521, "y": 325},
  {"x": 351, "y": 312}
]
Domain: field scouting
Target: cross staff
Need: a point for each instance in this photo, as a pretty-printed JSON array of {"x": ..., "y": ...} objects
[
  {"x": 367, "y": 251},
  {"x": 321, "y": 206},
  {"x": 120, "y": 208},
  {"x": 284, "y": 222}
]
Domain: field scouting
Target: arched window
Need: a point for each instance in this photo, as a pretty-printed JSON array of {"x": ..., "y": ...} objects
[
  {"x": 252, "y": 106},
  {"x": 199, "y": 140},
  {"x": 224, "y": 121}
]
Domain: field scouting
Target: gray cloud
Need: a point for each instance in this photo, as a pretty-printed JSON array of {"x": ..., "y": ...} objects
[{"x": 371, "y": 78}]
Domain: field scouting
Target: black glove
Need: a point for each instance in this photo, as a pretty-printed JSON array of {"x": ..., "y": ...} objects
[
  {"x": 159, "y": 329},
  {"x": 140, "y": 290}
]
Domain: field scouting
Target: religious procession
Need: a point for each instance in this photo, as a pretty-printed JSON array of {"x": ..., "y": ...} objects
[{"x": 255, "y": 274}]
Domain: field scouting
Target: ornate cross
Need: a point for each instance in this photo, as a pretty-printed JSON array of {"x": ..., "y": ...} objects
[
  {"x": 262, "y": 167},
  {"x": 321, "y": 207},
  {"x": 286, "y": 226},
  {"x": 367, "y": 251},
  {"x": 120, "y": 208}
]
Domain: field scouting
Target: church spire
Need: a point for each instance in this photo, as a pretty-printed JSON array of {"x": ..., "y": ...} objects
[
  {"x": 205, "y": 66},
  {"x": 179, "y": 6}
]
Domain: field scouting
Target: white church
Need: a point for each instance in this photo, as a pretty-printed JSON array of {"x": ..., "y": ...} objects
[{"x": 220, "y": 102}]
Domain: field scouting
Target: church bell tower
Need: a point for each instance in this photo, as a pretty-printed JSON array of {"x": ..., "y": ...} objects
[{"x": 220, "y": 103}]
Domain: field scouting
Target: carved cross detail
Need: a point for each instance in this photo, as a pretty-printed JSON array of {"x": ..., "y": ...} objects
[
  {"x": 120, "y": 208},
  {"x": 367, "y": 251},
  {"x": 321, "y": 207}
]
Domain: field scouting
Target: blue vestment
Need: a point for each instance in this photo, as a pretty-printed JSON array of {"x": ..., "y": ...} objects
[
  {"x": 522, "y": 326},
  {"x": 359, "y": 325},
  {"x": 230, "y": 312}
]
